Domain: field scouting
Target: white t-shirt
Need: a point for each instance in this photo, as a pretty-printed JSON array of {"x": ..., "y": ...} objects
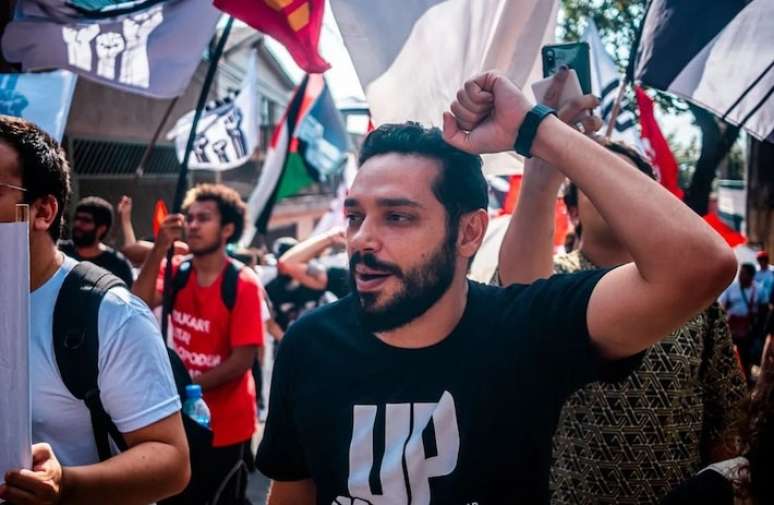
[
  {"x": 765, "y": 279},
  {"x": 135, "y": 377},
  {"x": 731, "y": 299}
]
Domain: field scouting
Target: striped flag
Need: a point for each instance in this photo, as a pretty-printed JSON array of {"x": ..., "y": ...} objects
[
  {"x": 605, "y": 81},
  {"x": 309, "y": 144},
  {"x": 296, "y": 24},
  {"x": 718, "y": 55}
]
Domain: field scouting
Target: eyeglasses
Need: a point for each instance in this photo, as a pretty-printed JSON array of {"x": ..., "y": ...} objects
[{"x": 11, "y": 186}]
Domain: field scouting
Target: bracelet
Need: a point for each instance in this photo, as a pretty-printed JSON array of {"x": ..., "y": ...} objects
[{"x": 528, "y": 129}]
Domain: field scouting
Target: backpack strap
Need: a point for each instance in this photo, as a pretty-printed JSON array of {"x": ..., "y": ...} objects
[
  {"x": 76, "y": 345},
  {"x": 228, "y": 288},
  {"x": 179, "y": 280}
]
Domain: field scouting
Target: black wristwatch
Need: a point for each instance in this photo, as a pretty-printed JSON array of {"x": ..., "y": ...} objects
[{"x": 528, "y": 129}]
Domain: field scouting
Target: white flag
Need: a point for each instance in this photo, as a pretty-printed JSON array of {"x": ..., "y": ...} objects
[
  {"x": 227, "y": 136},
  {"x": 411, "y": 59},
  {"x": 605, "y": 81}
]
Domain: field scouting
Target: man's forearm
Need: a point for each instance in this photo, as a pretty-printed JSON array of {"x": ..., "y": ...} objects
[
  {"x": 143, "y": 474},
  {"x": 145, "y": 284},
  {"x": 526, "y": 253},
  {"x": 128, "y": 231},
  {"x": 307, "y": 250},
  {"x": 240, "y": 361},
  {"x": 658, "y": 230}
]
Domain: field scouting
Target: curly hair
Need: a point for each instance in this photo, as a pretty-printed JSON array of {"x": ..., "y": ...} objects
[
  {"x": 42, "y": 163},
  {"x": 230, "y": 205}
]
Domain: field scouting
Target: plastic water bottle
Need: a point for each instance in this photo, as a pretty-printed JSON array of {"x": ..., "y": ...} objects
[{"x": 194, "y": 406}]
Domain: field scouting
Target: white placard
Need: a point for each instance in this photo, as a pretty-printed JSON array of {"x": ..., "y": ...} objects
[{"x": 15, "y": 426}]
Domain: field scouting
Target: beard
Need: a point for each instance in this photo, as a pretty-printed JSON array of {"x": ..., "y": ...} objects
[
  {"x": 421, "y": 287},
  {"x": 206, "y": 249},
  {"x": 84, "y": 238}
]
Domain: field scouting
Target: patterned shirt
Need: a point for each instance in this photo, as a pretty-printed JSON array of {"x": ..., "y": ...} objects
[{"x": 632, "y": 442}]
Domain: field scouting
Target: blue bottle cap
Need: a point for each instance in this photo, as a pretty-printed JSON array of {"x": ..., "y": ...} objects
[{"x": 193, "y": 391}]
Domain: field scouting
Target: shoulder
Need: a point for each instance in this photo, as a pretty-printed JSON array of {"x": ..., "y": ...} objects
[
  {"x": 120, "y": 309},
  {"x": 322, "y": 322},
  {"x": 247, "y": 276}
]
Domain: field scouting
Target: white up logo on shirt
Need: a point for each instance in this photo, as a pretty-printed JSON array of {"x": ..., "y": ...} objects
[{"x": 403, "y": 444}]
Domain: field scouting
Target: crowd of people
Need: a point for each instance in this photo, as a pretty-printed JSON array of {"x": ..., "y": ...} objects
[{"x": 621, "y": 371}]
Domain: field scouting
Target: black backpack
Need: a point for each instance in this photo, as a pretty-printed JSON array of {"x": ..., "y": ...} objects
[
  {"x": 76, "y": 348},
  {"x": 228, "y": 289}
]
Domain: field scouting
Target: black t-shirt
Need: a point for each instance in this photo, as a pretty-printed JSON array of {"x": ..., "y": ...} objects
[
  {"x": 467, "y": 420},
  {"x": 338, "y": 281},
  {"x": 290, "y": 299},
  {"x": 110, "y": 259}
]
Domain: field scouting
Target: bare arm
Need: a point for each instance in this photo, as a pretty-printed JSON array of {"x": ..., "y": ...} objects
[
  {"x": 527, "y": 249},
  {"x": 154, "y": 467},
  {"x": 301, "y": 492},
  {"x": 295, "y": 262},
  {"x": 635, "y": 305},
  {"x": 240, "y": 361},
  {"x": 145, "y": 284}
]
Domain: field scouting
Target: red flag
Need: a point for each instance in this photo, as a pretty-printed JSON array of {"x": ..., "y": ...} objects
[
  {"x": 296, "y": 24},
  {"x": 509, "y": 205},
  {"x": 733, "y": 237},
  {"x": 159, "y": 213},
  {"x": 656, "y": 146}
]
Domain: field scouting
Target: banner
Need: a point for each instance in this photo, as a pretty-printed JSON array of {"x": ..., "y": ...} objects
[
  {"x": 43, "y": 99},
  {"x": 153, "y": 52},
  {"x": 15, "y": 413},
  {"x": 226, "y": 136},
  {"x": 718, "y": 55}
]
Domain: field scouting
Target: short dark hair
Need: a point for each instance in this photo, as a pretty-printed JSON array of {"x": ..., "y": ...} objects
[
  {"x": 460, "y": 185},
  {"x": 230, "y": 205},
  {"x": 43, "y": 165},
  {"x": 99, "y": 209},
  {"x": 643, "y": 165},
  {"x": 748, "y": 268}
]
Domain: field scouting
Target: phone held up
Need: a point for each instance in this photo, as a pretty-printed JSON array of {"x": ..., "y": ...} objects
[{"x": 575, "y": 55}]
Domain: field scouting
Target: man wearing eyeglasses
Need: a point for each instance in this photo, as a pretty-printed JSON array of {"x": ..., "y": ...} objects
[{"x": 135, "y": 379}]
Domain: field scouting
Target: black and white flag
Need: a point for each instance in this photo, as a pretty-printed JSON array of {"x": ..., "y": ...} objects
[
  {"x": 227, "y": 135},
  {"x": 153, "y": 49},
  {"x": 718, "y": 55},
  {"x": 605, "y": 81}
]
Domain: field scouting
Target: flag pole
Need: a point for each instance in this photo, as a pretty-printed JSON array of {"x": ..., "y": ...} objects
[
  {"x": 182, "y": 177},
  {"x": 616, "y": 108},
  {"x": 140, "y": 170}
]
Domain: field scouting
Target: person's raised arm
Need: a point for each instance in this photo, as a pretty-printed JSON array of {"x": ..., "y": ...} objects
[
  {"x": 680, "y": 263},
  {"x": 145, "y": 284},
  {"x": 526, "y": 252},
  {"x": 296, "y": 262}
]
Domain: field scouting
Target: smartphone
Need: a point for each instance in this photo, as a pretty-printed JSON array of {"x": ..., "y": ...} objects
[{"x": 575, "y": 55}]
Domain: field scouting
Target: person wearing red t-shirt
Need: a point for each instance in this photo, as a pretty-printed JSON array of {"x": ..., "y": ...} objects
[{"x": 218, "y": 346}]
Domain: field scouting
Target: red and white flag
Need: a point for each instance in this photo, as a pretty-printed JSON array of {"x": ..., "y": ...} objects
[{"x": 656, "y": 146}]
